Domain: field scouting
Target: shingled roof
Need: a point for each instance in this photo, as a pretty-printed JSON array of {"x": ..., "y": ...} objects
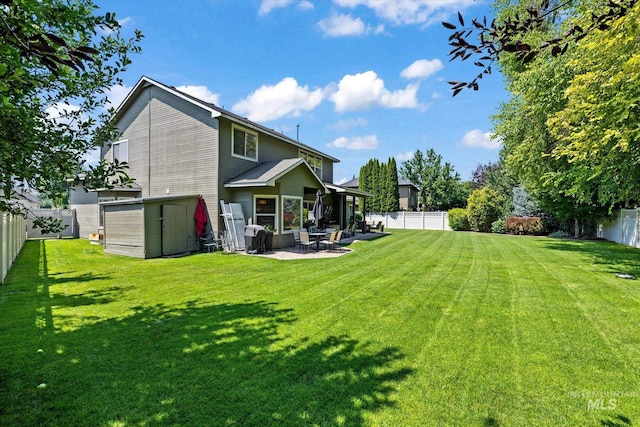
[{"x": 267, "y": 173}]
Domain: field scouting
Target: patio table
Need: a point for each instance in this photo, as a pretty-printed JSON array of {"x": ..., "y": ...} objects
[{"x": 318, "y": 235}]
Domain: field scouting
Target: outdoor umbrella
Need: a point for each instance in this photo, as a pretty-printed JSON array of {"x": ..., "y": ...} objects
[
  {"x": 200, "y": 216},
  {"x": 318, "y": 208}
]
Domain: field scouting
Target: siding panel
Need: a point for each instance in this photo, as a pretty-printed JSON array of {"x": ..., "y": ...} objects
[{"x": 124, "y": 230}]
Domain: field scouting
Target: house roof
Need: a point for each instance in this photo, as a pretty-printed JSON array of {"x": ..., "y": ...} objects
[
  {"x": 404, "y": 182},
  {"x": 266, "y": 174},
  {"x": 350, "y": 191},
  {"x": 354, "y": 183},
  {"x": 216, "y": 112}
]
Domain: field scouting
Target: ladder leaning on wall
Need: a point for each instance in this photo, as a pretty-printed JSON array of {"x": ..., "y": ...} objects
[{"x": 234, "y": 223}]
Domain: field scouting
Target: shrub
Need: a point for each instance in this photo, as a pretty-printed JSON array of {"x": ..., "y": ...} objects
[
  {"x": 498, "y": 227},
  {"x": 525, "y": 225},
  {"x": 459, "y": 219},
  {"x": 485, "y": 207},
  {"x": 560, "y": 235}
]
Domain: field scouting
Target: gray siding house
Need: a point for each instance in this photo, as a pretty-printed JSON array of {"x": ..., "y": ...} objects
[{"x": 179, "y": 147}]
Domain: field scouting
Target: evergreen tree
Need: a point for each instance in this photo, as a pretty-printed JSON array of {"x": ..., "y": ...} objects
[
  {"x": 381, "y": 180},
  {"x": 392, "y": 203}
]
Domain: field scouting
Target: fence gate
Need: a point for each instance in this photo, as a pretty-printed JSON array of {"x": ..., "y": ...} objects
[{"x": 68, "y": 217}]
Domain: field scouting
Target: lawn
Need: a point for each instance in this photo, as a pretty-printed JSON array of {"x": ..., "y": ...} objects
[{"x": 415, "y": 328}]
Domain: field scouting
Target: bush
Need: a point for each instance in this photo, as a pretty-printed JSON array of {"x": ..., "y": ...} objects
[
  {"x": 560, "y": 235},
  {"x": 459, "y": 219},
  {"x": 498, "y": 227},
  {"x": 525, "y": 225},
  {"x": 485, "y": 207}
]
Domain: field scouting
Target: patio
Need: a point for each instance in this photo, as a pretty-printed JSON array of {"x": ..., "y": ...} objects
[{"x": 291, "y": 253}]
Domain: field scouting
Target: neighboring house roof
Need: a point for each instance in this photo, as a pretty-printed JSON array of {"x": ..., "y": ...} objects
[
  {"x": 26, "y": 195},
  {"x": 267, "y": 173},
  {"x": 216, "y": 112},
  {"x": 354, "y": 183},
  {"x": 350, "y": 191},
  {"x": 404, "y": 182}
]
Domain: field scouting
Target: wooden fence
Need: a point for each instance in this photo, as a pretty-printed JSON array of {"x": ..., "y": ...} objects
[
  {"x": 412, "y": 220},
  {"x": 12, "y": 237}
]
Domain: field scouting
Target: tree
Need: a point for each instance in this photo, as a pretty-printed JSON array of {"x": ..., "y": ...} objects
[
  {"x": 392, "y": 193},
  {"x": 494, "y": 175},
  {"x": 523, "y": 204},
  {"x": 484, "y": 207},
  {"x": 597, "y": 133},
  {"x": 509, "y": 33},
  {"x": 440, "y": 185},
  {"x": 57, "y": 63},
  {"x": 570, "y": 130},
  {"x": 380, "y": 179}
]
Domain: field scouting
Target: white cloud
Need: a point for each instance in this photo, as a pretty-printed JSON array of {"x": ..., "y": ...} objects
[
  {"x": 200, "y": 92},
  {"x": 92, "y": 157},
  {"x": 404, "y": 156},
  {"x": 367, "y": 142},
  {"x": 409, "y": 12},
  {"x": 341, "y": 25},
  {"x": 124, "y": 21},
  {"x": 477, "y": 138},
  {"x": 268, "y": 5},
  {"x": 422, "y": 68},
  {"x": 286, "y": 98},
  {"x": 306, "y": 5},
  {"x": 365, "y": 90},
  {"x": 343, "y": 125},
  {"x": 116, "y": 94},
  {"x": 62, "y": 113}
]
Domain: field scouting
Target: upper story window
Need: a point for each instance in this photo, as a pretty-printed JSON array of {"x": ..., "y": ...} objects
[
  {"x": 244, "y": 143},
  {"x": 314, "y": 161},
  {"x": 120, "y": 151}
]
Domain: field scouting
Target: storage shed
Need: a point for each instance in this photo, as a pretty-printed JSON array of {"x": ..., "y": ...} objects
[{"x": 150, "y": 227}]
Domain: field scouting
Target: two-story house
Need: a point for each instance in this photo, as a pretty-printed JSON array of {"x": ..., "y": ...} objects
[{"x": 178, "y": 148}]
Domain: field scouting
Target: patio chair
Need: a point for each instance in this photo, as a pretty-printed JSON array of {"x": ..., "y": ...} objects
[
  {"x": 347, "y": 230},
  {"x": 331, "y": 242},
  {"x": 304, "y": 240},
  {"x": 296, "y": 238},
  {"x": 336, "y": 242},
  {"x": 210, "y": 243}
]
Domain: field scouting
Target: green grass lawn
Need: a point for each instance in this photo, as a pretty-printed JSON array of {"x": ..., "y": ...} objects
[{"x": 415, "y": 328}]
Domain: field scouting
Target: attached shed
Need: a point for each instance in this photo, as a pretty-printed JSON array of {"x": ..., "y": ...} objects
[{"x": 150, "y": 227}]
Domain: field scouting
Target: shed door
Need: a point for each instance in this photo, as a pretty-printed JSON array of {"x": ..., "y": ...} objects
[{"x": 174, "y": 229}]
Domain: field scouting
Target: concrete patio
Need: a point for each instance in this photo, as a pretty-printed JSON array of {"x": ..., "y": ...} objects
[{"x": 342, "y": 249}]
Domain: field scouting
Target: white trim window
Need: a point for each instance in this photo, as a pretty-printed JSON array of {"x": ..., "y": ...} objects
[
  {"x": 244, "y": 143},
  {"x": 120, "y": 151},
  {"x": 265, "y": 211},
  {"x": 291, "y": 213},
  {"x": 314, "y": 161}
]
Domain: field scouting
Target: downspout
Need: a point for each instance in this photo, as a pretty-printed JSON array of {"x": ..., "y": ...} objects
[{"x": 149, "y": 144}]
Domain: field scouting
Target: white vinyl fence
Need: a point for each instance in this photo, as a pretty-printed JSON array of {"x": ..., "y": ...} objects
[
  {"x": 12, "y": 237},
  {"x": 623, "y": 228},
  {"x": 67, "y": 216},
  {"x": 412, "y": 220}
]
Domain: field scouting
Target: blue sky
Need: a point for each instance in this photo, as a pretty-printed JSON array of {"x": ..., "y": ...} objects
[{"x": 362, "y": 79}]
